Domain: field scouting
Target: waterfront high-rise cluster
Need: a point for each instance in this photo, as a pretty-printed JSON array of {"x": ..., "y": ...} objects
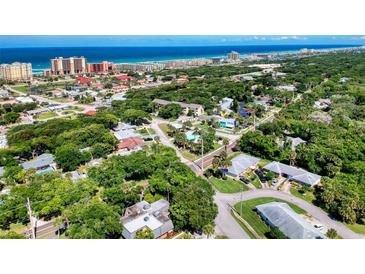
[
  {"x": 16, "y": 72},
  {"x": 66, "y": 66},
  {"x": 233, "y": 56}
]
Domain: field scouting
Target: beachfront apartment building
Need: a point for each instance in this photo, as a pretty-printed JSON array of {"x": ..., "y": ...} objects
[
  {"x": 102, "y": 67},
  {"x": 140, "y": 66},
  {"x": 16, "y": 72},
  {"x": 233, "y": 56},
  {"x": 68, "y": 66}
]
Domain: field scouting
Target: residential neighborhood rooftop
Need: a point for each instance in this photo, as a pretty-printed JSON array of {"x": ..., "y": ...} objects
[
  {"x": 294, "y": 173},
  {"x": 130, "y": 143},
  {"x": 280, "y": 215},
  {"x": 127, "y": 133},
  {"x": 41, "y": 161},
  {"x": 143, "y": 214},
  {"x": 296, "y": 142},
  {"x": 240, "y": 164}
]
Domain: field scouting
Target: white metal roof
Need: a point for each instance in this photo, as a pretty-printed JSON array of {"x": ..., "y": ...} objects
[
  {"x": 290, "y": 223},
  {"x": 43, "y": 160},
  {"x": 241, "y": 163},
  {"x": 294, "y": 173},
  {"x": 144, "y": 220},
  {"x": 123, "y": 134}
]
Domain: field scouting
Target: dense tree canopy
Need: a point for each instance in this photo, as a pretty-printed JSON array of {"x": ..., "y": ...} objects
[
  {"x": 334, "y": 148},
  {"x": 169, "y": 111}
]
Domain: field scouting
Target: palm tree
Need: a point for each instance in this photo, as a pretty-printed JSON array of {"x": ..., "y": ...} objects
[
  {"x": 225, "y": 143},
  {"x": 292, "y": 157},
  {"x": 332, "y": 233},
  {"x": 208, "y": 230},
  {"x": 157, "y": 139}
]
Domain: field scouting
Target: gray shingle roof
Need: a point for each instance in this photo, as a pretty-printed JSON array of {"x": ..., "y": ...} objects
[
  {"x": 295, "y": 142},
  {"x": 294, "y": 226},
  {"x": 240, "y": 163},
  {"x": 43, "y": 160},
  {"x": 294, "y": 173},
  {"x": 123, "y": 134}
]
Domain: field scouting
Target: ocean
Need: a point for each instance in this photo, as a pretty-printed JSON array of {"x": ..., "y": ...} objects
[{"x": 40, "y": 56}]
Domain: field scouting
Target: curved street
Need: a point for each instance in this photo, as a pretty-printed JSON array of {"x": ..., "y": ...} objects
[{"x": 224, "y": 221}]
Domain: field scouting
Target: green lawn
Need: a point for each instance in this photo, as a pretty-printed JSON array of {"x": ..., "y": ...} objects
[
  {"x": 192, "y": 157},
  {"x": 251, "y": 176},
  {"x": 65, "y": 112},
  {"x": 77, "y": 108},
  {"x": 263, "y": 162},
  {"x": 144, "y": 131},
  {"x": 204, "y": 127},
  {"x": 249, "y": 214},
  {"x": 307, "y": 196},
  {"x": 164, "y": 128},
  {"x": 234, "y": 154},
  {"x": 358, "y": 228},
  {"x": 215, "y": 147},
  {"x": 243, "y": 226},
  {"x": 228, "y": 185},
  {"x": 23, "y": 89},
  {"x": 188, "y": 155},
  {"x": 61, "y": 99},
  {"x": 18, "y": 228},
  {"x": 221, "y": 237},
  {"x": 45, "y": 115}
]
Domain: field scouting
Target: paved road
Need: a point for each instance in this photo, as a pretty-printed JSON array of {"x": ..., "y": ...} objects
[
  {"x": 225, "y": 224},
  {"x": 166, "y": 141},
  {"x": 314, "y": 211}
]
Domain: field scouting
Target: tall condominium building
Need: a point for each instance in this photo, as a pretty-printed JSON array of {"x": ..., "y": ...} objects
[
  {"x": 102, "y": 67},
  {"x": 65, "y": 66},
  {"x": 234, "y": 56},
  {"x": 140, "y": 66},
  {"x": 187, "y": 63},
  {"x": 16, "y": 71}
]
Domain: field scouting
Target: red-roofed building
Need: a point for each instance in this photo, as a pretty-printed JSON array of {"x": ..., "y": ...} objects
[
  {"x": 90, "y": 112},
  {"x": 97, "y": 86},
  {"x": 130, "y": 143},
  {"x": 83, "y": 80},
  {"x": 124, "y": 77}
]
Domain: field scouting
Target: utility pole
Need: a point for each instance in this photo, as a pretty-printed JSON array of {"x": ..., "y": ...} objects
[
  {"x": 241, "y": 199},
  {"x": 254, "y": 121},
  {"x": 202, "y": 153},
  {"x": 31, "y": 218}
]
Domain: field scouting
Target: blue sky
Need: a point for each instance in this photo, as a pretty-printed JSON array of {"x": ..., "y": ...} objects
[{"x": 22, "y": 41}]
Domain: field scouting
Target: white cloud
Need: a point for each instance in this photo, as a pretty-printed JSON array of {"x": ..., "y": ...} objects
[{"x": 280, "y": 38}]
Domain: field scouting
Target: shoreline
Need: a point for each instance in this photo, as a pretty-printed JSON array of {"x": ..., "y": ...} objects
[{"x": 38, "y": 69}]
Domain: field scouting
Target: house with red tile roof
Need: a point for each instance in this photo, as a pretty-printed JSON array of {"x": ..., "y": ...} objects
[
  {"x": 83, "y": 80},
  {"x": 130, "y": 143},
  {"x": 90, "y": 112},
  {"x": 124, "y": 77}
]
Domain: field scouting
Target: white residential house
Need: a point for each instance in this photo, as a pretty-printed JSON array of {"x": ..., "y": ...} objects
[
  {"x": 154, "y": 216},
  {"x": 240, "y": 164},
  {"x": 291, "y": 224},
  {"x": 24, "y": 100}
]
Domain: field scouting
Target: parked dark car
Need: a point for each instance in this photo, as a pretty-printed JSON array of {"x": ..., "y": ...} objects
[
  {"x": 244, "y": 179},
  {"x": 261, "y": 175}
]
